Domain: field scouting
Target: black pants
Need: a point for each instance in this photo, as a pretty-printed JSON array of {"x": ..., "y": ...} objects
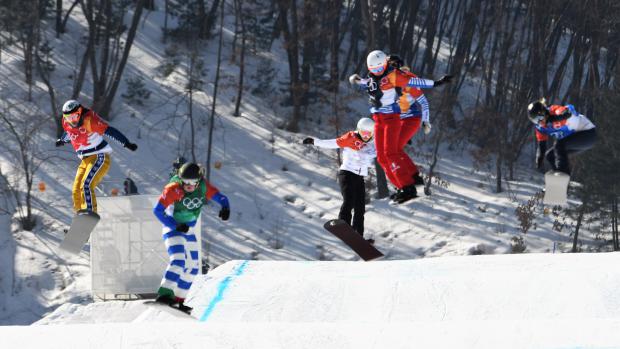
[
  {"x": 580, "y": 141},
  {"x": 353, "y": 199}
]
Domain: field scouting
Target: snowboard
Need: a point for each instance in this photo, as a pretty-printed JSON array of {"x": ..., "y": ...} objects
[
  {"x": 556, "y": 186},
  {"x": 82, "y": 225},
  {"x": 351, "y": 238},
  {"x": 169, "y": 309}
]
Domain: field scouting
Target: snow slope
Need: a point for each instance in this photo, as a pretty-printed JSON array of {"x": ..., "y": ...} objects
[{"x": 516, "y": 301}]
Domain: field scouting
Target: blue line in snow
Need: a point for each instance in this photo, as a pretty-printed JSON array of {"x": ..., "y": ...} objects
[{"x": 220, "y": 290}]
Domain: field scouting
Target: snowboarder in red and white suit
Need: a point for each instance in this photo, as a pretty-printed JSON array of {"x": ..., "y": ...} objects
[
  {"x": 389, "y": 89},
  {"x": 358, "y": 154},
  {"x": 85, "y": 129},
  {"x": 572, "y": 133}
]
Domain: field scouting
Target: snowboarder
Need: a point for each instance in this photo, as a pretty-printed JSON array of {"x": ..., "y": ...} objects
[
  {"x": 84, "y": 129},
  {"x": 178, "y": 209},
  {"x": 358, "y": 154},
  {"x": 572, "y": 133},
  {"x": 391, "y": 95}
]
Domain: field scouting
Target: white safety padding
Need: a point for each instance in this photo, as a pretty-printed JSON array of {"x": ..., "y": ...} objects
[{"x": 127, "y": 252}]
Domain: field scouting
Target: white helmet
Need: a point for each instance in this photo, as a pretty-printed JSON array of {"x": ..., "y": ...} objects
[
  {"x": 376, "y": 62},
  {"x": 366, "y": 127},
  {"x": 70, "y": 106}
]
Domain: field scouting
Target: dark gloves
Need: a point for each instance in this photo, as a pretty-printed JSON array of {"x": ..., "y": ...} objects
[
  {"x": 308, "y": 140},
  {"x": 183, "y": 228},
  {"x": 224, "y": 213},
  {"x": 444, "y": 79},
  {"x": 395, "y": 61},
  {"x": 60, "y": 142},
  {"x": 131, "y": 146}
]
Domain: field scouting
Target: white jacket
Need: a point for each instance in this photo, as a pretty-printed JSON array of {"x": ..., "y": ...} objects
[{"x": 357, "y": 155}]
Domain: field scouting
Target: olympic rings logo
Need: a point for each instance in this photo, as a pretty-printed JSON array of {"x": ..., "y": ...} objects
[
  {"x": 372, "y": 85},
  {"x": 192, "y": 204}
]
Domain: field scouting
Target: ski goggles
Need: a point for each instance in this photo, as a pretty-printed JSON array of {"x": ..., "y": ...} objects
[
  {"x": 74, "y": 117},
  {"x": 193, "y": 182},
  {"x": 377, "y": 69},
  {"x": 365, "y": 134}
]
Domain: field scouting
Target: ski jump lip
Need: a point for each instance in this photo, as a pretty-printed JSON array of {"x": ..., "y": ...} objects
[{"x": 221, "y": 288}]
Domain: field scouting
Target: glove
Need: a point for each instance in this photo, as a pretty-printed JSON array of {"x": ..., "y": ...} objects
[
  {"x": 427, "y": 127},
  {"x": 131, "y": 146},
  {"x": 60, "y": 142},
  {"x": 395, "y": 61},
  {"x": 224, "y": 213},
  {"x": 444, "y": 79},
  {"x": 183, "y": 228},
  {"x": 354, "y": 79},
  {"x": 308, "y": 140}
]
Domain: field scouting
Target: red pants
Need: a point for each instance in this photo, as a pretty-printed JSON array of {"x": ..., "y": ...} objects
[
  {"x": 409, "y": 127},
  {"x": 390, "y": 155}
]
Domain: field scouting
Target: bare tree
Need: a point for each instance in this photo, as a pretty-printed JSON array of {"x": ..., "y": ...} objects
[
  {"x": 105, "y": 28},
  {"x": 215, "y": 86},
  {"x": 21, "y": 146}
]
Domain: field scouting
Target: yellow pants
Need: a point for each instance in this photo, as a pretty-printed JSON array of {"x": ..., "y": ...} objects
[{"x": 89, "y": 175}]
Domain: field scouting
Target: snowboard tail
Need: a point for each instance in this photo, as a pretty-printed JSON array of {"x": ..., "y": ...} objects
[
  {"x": 353, "y": 239},
  {"x": 82, "y": 225},
  {"x": 556, "y": 187}
]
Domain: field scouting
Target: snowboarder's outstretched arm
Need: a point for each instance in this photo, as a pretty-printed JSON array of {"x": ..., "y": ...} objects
[
  {"x": 116, "y": 135},
  {"x": 214, "y": 194},
  {"x": 322, "y": 143},
  {"x": 64, "y": 139}
]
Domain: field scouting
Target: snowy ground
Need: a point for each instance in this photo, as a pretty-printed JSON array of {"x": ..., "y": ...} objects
[
  {"x": 516, "y": 301},
  {"x": 281, "y": 191}
]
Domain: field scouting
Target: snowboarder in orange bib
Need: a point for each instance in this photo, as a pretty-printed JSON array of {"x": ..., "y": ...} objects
[
  {"x": 358, "y": 153},
  {"x": 84, "y": 129},
  {"x": 391, "y": 95}
]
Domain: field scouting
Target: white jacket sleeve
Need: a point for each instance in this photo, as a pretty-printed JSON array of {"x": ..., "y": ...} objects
[{"x": 326, "y": 143}]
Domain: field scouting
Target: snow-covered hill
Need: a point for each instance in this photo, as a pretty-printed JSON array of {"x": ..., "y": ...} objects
[
  {"x": 281, "y": 191},
  {"x": 516, "y": 301}
]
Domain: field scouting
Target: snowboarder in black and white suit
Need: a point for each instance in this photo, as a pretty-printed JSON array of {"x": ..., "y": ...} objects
[{"x": 358, "y": 154}]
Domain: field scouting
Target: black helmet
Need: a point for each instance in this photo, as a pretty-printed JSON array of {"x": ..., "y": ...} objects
[
  {"x": 537, "y": 110},
  {"x": 190, "y": 170}
]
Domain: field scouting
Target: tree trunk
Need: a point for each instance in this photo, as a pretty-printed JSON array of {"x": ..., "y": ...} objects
[
  {"x": 121, "y": 66},
  {"x": 241, "y": 61},
  {"x": 215, "y": 85},
  {"x": 577, "y": 226}
]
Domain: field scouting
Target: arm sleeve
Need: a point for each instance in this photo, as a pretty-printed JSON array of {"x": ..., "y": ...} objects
[
  {"x": 116, "y": 135},
  {"x": 326, "y": 143},
  {"x": 221, "y": 199},
  {"x": 171, "y": 194},
  {"x": 160, "y": 212},
  {"x": 363, "y": 84},
  {"x": 572, "y": 109},
  {"x": 65, "y": 137},
  {"x": 425, "y": 108},
  {"x": 420, "y": 83}
]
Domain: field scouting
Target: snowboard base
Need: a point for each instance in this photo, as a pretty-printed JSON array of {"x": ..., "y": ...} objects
[
  {"x": 556, "y": 187},
  {"x": 351, "y": 238},
  {"x": 82, "y": 225}
]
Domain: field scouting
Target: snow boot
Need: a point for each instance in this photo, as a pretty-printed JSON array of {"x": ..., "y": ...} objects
[
  {"x": 165, "y": 299},
  {"x": 184, "y": 308},
  {"x": 409, "y": 192}
]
